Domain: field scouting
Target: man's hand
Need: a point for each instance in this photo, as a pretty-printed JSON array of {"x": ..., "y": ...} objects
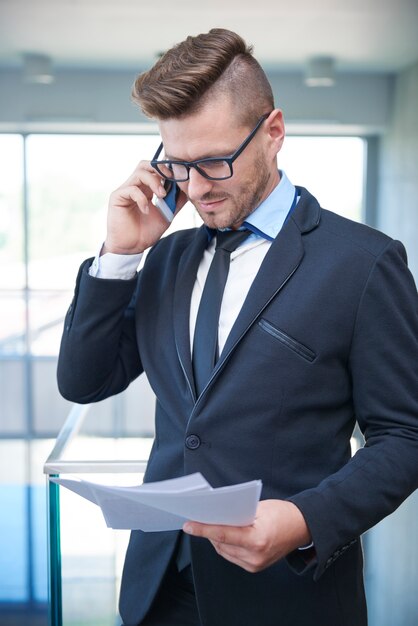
[
  {"x": 279, "y": 528},
  {"x": 134, "y": 223}
]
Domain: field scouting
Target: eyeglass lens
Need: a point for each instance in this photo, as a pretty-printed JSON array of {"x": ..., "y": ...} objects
[{"x": 212, "y": 168}]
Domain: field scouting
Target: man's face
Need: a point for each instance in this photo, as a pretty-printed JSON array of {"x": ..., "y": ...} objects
[{"x": 216, "y": 131}]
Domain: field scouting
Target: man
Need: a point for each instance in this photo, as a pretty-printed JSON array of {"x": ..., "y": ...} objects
[{"x": 317, "y": 331}]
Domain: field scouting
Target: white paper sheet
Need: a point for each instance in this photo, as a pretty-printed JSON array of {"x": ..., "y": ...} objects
[{"x": 167, "y": 504}]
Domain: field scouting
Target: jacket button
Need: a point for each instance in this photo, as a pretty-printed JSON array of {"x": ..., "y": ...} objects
[{"x": 192, "y": 442}]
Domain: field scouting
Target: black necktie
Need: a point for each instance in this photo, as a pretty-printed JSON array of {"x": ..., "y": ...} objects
[{"x": 205, "y": 343}]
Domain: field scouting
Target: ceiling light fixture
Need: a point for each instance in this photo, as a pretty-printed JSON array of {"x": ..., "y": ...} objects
[
  {"x": 37, "y": 69},
  {"x": 320, "y": 72}
]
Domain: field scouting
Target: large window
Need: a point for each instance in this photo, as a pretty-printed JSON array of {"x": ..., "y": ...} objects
[
  {"x": 53, "y": 199},
  {"x": 331, "y": 168}
]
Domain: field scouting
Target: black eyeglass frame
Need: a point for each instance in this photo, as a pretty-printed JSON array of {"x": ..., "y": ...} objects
[{"x": 189, "y": 164}]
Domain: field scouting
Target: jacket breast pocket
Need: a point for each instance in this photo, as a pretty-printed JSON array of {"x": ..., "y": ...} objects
[{"x": 286, "y": 340}]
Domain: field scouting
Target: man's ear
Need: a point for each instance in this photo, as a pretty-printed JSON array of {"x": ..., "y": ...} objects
[{"x": 276, "y": 131}]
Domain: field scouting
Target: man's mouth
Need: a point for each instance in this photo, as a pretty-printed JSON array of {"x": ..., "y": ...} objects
[{"x": 210, "y": 205}]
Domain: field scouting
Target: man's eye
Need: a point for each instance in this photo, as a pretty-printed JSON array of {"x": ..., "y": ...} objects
[{"x": 212, "y": 164}]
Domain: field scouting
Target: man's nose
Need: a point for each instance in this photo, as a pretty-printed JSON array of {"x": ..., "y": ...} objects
[{"x": 198, "y": 185}]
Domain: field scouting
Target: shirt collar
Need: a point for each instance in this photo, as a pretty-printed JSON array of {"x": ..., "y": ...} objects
[{"x": 268, "y": 218}]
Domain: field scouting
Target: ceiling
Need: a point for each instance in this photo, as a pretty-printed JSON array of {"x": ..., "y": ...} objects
[{"x": 362, "y": 35}]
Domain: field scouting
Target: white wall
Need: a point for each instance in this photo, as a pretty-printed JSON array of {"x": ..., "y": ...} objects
[
  {"x": 398, "y": 172},
  {"x": 391, "y": 568},
  {"x": 392, "y": 546}
]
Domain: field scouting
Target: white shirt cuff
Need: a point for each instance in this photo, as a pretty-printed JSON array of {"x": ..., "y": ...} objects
[{"x": 115, "y": 266}]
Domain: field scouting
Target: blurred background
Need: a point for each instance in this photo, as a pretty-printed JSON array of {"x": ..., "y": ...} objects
[{"x": 345, "y": 75}]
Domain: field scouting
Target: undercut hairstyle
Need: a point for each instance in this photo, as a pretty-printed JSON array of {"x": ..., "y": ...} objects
[{"x": 199, "y": 69}]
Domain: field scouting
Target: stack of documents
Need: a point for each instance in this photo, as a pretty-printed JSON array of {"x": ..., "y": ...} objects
[{"x": 167, "y": 504}]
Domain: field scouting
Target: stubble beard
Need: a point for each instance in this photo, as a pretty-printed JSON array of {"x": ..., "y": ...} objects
[{"x": 241, "y": 205}]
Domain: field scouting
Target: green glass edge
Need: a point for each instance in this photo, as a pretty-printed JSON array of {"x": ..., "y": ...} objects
[{"x": 55, "y": 581}]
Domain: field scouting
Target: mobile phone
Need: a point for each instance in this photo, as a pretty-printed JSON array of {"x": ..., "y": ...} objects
[{"x": 167, "y": 205}]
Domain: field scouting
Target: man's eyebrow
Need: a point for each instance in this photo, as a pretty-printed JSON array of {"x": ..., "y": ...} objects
[{"x": 211, "y": 155}]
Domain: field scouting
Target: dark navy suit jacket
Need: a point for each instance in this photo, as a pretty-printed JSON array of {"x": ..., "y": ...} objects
[{"x": 327, "y": 336}]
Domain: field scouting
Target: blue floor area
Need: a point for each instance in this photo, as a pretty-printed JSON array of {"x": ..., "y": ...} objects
[
  {"x": 18, "y": 615},
  {"x": 23, "y": 545}
]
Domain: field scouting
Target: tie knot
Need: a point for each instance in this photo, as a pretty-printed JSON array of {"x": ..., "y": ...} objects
[{"x": 229, "y": 240}]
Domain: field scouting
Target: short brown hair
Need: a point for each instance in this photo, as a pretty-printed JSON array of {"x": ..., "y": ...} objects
[{"x": 189, "y": 74}]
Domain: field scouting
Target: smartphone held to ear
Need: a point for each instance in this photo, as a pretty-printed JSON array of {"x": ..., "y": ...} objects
[{"x": 167, "y": 205}]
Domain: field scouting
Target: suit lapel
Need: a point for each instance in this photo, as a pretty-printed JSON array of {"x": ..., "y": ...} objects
[
  {"x": 278, "y": 266},
  {"x": 186, "y": 276}
]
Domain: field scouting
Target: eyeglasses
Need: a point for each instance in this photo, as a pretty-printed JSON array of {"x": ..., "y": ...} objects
[{"x": 213, "y": 168}]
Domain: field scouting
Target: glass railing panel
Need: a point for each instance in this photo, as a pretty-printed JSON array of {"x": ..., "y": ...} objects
[
  {"x": 91, "y": 558},
  {"x": 86, "y": 557}
]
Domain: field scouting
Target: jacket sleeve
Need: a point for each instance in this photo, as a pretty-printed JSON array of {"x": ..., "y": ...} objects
[
  {"x": 98, "y": 355},
  {"x": 383, "y": 365}
]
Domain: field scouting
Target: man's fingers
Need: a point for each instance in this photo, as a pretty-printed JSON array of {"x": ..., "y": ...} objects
[
  {"x": 146, "y": 177},
  {"x": 279, "y": 528},
  {"x": 231, "y": 535},
  {"x": 250, "y": 561}
]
